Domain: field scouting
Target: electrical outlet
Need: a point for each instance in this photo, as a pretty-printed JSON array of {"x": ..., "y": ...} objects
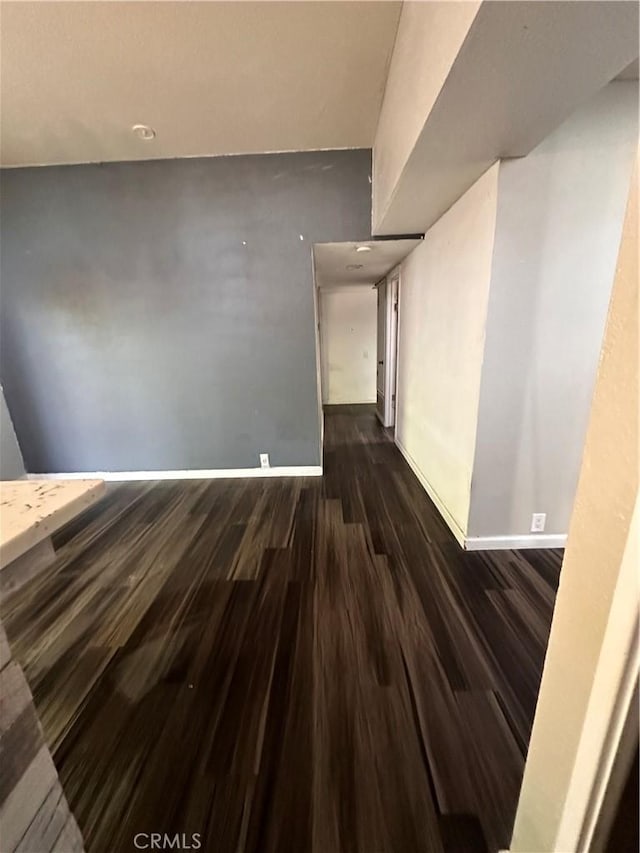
[
  {"x": 538, "y": 521},
  {"x": 264, "y": 460}
]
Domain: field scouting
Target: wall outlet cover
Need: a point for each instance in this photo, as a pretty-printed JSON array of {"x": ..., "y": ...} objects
[
  {"x": 264, "y": 460},
  {"x": 538, "y": 521}
]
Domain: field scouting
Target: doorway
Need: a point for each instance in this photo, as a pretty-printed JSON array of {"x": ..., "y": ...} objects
[{"x": 354, "y": 328}]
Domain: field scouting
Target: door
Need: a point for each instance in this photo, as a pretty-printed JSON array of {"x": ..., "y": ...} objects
[
  {"x": 391, "y": 349},
  {"x": 381, "y": 350},
  {"x": 387, "y": 349}
]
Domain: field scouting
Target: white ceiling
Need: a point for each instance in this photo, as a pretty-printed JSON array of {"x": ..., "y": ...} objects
[
  {"x": 332, "y": 261},
  {"x": 211, "y": 78}
]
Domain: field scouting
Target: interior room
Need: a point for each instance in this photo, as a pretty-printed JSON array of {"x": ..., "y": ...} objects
[{"x": 319, "y": 426}]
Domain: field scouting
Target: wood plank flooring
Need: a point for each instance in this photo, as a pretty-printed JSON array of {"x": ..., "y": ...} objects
[{"x": 288, "y": 665}]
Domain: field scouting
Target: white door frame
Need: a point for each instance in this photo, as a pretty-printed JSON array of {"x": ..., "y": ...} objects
[
  {"x": 611, "y": 706},
  {"x": 607, "y": 741},
  {"x": 392, "y": 292},
  {"x": 318, "y": 346}
]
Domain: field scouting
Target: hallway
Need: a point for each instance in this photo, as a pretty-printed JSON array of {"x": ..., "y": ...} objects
[{"x": 287, "y": 665}]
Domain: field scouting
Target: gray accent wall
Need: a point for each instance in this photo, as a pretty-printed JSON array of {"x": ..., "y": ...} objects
[
  {"x": 11, "y": 463},
  {"x": 159, "y": 315}
]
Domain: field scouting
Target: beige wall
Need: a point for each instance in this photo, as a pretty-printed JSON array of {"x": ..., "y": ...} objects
[
  {"x": 348, "y": 344},
  {"x": 444, "y": 288},
  {"x": 427, "y": 42},
  {"x": 598, "y": 534}
]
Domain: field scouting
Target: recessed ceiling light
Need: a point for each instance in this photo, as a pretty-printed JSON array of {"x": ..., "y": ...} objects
[
  {"x": 143, "y": 131},
  {"x": 363, "y": 249},
  {"x": 354, "y": 266}
]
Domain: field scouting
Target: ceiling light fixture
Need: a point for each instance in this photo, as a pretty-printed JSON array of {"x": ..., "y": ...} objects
[
  {"x": 354, "y": 266},
  {"x": 363, "y": 248},
  {"x": 143, "y": 131}
]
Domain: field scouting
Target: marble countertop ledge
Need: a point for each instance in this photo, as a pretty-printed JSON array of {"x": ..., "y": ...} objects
[{"x": 31, "y": 510}]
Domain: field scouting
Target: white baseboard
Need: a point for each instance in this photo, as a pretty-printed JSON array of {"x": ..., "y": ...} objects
[
  {"x": 199, "y": 474},
  {"x": 481, "y": 543},
  {"x": 367, "y": 402},
  {"x": 444, "y": 512},
  {"x": 500, "y": 543}
]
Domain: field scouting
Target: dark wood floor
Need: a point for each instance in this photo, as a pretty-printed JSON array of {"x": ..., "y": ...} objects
[{"x": 287, "y": 666}]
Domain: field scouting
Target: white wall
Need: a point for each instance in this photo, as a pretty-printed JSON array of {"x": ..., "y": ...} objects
[
  {"x": 427, "y": 42},
  {"x": 348, "y": 318},
  {"x": 444, "y": 287},
  {"x": 11, "y": 464},
  {"x": 559, "y": 221}
]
